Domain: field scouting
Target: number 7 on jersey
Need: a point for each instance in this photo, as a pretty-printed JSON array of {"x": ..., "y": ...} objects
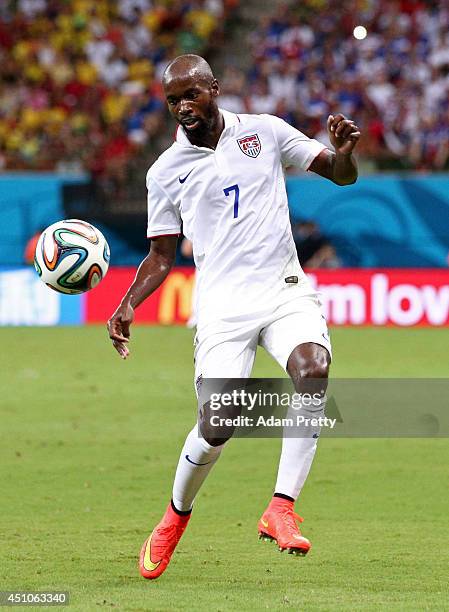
[{"x": 236, "y": 190}]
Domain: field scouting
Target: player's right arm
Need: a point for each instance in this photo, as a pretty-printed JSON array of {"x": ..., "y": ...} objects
[
  {"x": 150, "y": 275},
  {"x": 164, "y": 227}
]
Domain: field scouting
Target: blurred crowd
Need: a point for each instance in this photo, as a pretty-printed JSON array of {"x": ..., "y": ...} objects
[
  {"x": 80, "y": 80},
  {"x": 314, "y": 249},
  {"x": 394, "y": 83}
]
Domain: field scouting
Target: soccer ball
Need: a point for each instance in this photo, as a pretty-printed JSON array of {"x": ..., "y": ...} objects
[{"x": 71, "y": 256}]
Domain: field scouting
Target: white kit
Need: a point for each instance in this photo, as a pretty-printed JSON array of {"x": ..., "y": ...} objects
[{"x": 232, "y": 204}]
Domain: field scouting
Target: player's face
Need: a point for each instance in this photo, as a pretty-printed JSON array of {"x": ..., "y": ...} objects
[{"x": 192, "y": 103}]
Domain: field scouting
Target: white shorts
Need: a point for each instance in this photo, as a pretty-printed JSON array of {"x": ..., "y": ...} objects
[{"x": 228, "y": 349}]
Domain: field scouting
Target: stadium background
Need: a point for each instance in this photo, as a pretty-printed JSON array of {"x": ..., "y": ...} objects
[{"x": 82, "y": 116}]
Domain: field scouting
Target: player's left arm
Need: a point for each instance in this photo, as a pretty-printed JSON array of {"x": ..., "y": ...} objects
[{"x": 339, "y": 167}]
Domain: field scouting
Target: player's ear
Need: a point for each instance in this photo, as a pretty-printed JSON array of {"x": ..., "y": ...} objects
[{"x": 215, "y": 88}]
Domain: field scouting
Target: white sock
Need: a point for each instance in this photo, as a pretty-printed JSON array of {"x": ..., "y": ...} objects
[
  {"x": 298, "y": 452},
  {"x": 189, "y": 475}
]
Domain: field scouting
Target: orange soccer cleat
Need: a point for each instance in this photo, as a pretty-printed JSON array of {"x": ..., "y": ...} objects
[
  {"x": 158, "y": 548},
  {"x": 278, "y": 523}
]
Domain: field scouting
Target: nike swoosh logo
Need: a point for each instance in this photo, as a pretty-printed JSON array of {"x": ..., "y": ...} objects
[
  {"x": 194, "y": 463},
  {"x": 148, "y": 564},
  {"x": 264, "y": 523},
  {"x": 183, "y": 180}
]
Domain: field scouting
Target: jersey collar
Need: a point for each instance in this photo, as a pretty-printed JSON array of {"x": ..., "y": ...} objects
[{"x": 230, "y": 120}]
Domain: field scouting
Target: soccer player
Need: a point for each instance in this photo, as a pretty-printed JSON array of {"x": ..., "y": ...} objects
[{"x": 223, "y": 179}]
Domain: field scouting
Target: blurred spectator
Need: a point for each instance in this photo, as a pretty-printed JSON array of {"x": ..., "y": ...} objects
[
  {"x": 394, "y": 83},
  {"x": 80, "y": 80},
  {"x": 76, "y": 73},
  {"x": 30, "y": 247},
  {"x": 186, "y": 251},
  {"x": 231, "y": 87},
  {"x": 314, "y": 250}
]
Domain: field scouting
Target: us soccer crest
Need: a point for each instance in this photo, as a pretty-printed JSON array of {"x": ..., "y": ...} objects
[{"x": 250, "y": 145}]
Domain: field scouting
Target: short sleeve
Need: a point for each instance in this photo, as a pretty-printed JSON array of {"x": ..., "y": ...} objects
[
  {"x": 296, "y": 148},
  {"x": 163, "y": 216}
]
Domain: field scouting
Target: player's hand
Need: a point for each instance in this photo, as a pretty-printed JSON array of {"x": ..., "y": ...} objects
[
  {"x": 118, "y": 328},
  {"x": 343, "y": 133}
]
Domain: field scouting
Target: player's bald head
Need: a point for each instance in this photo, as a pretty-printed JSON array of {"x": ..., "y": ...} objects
[
  {"x": 188, "y": 66},
  {"x": 191, "y": 91}
]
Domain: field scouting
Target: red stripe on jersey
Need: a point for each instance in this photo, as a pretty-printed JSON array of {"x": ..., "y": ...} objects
[{"x": 161, "y": 236}]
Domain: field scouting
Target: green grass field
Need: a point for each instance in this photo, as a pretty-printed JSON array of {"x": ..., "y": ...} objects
[{"x": 89, "y": 445}]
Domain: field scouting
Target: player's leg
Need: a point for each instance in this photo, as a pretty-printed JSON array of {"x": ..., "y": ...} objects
[
  {"x": 218, "y": 356},
  {"x": 308, "y": 367},
  {"x": 197, "y": 458},
  {"x": 300, "y": 343}
]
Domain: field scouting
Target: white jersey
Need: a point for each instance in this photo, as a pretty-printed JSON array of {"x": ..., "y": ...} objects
[{"x": 233, "y": 205}]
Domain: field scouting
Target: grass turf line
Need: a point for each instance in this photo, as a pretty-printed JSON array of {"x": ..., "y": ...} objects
[{"x": 89, "y": 445}]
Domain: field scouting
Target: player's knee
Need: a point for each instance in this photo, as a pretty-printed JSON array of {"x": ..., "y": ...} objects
[
  {"x": 216, "y": 441},
  {"x": 309, "y": 369},
  {"x": 309, "y": 361},
  {"x": 214, "y": 436},
  {"x": 316, "y": 368}
]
